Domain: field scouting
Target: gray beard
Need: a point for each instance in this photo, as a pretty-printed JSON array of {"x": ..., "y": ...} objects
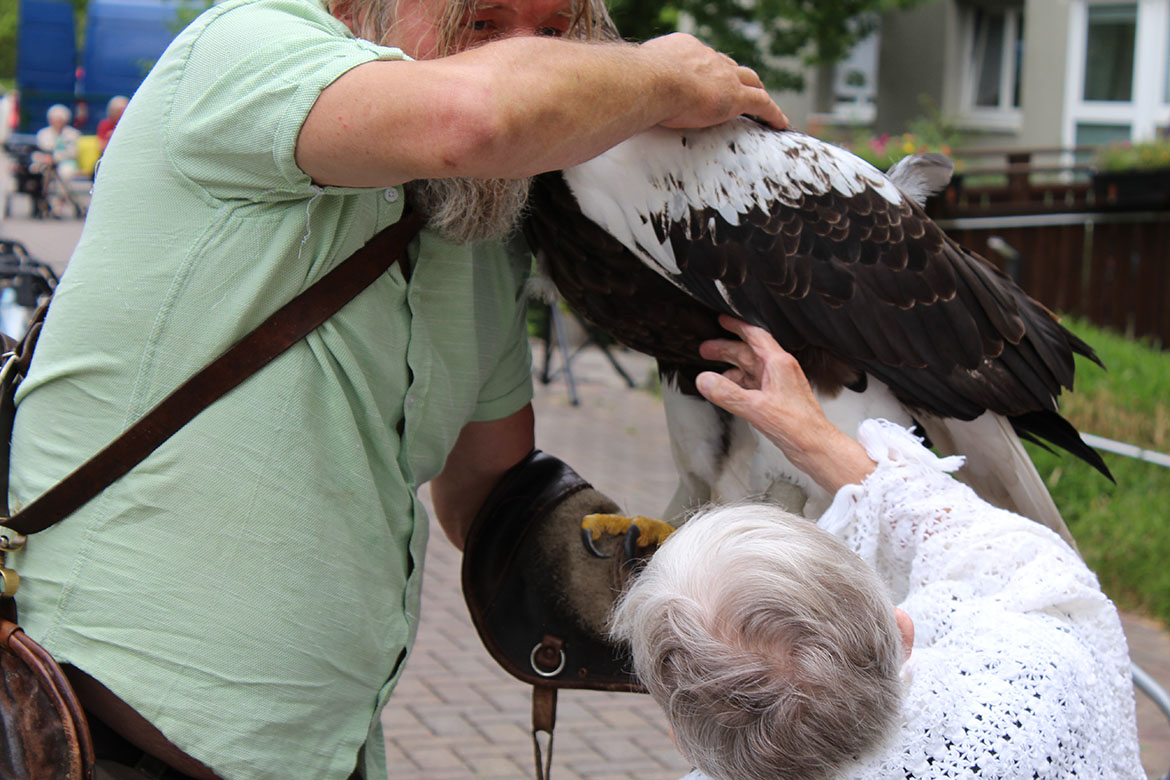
[{"x": 463, "y": 210}]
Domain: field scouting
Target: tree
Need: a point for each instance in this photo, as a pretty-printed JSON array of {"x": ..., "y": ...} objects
[
  {"x": 758, "y": 32},
  {"x": 8, "y": 20},
  {"x": 9, "y": 29}
]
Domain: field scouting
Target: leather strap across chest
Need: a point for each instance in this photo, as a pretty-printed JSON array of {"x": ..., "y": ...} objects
[{"x": 286, "y": 327}]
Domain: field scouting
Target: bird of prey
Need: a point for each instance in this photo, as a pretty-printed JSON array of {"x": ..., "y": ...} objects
[{"x": 887, "y": 315}]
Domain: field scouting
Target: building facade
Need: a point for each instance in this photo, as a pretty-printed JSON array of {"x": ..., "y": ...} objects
[{"x": 1009, "y": 73}]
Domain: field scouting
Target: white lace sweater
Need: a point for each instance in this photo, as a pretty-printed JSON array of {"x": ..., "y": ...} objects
[{"x": 1020, "y": 668}]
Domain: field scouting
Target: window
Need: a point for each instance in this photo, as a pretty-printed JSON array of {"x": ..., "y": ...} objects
[
  {"x": 1166, "y": 75},
  {"x": 855, "y": 81},
  {"x": 1092, "y": 134},
  {"x": 994, "y": 44},
  {"x": 1118, "y": 71},
  {"x": 1109, "y": 49}
]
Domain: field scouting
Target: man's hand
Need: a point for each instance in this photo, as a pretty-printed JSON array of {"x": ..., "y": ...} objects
[
  {"x": 767, "y": 387},
  {"x": 712, "y": 87}
]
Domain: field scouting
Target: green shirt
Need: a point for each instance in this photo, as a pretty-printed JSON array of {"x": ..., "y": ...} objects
[{"x": 253, "y": 586}]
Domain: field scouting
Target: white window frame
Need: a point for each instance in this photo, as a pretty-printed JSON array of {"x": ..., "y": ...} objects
[
  {"x": 1004, "y": 117},
  {"x": 859, "y": 105},
  {"x": 1149, "y": 109}
]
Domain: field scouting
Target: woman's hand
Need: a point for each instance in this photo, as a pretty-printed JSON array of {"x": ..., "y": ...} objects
[{"x": 767, "y": 387}]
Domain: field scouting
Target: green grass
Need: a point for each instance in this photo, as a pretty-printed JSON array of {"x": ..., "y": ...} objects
[{"x": 1123, "y": 529}]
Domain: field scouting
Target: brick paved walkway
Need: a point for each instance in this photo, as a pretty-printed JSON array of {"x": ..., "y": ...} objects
[{"x": 456, "y": 716}]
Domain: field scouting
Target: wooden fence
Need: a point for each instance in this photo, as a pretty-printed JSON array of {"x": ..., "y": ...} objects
[{"x": 1067, "y": 238}]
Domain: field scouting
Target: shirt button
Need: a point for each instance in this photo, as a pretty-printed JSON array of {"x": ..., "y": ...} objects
[
  {"x": 391, "y": 194},
  {"x": 410, "y": 400}
]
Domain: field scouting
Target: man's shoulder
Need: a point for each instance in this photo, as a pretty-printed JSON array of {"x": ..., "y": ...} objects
[{"x": 251, "y": 12}]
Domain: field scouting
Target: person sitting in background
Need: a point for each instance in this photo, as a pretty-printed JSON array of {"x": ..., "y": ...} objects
[
  {"x": 57, "y": 158},
  {"x": 772, "y": 643},
  {"x": 58, "y": 142},
  {"x": 105, "y": 128}
]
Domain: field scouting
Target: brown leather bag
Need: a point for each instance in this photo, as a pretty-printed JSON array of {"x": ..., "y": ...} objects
[
  {"x": 538, "y": 601},
  {"x": 42, "y": 724}
]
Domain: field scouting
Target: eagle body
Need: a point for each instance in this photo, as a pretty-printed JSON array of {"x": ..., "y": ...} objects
[{"x": 887, "y": 315}]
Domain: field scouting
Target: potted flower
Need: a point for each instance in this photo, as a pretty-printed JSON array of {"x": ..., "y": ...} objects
[
  {"x": 882, "y": 151},
  {"x": 1133, "y": 175}
]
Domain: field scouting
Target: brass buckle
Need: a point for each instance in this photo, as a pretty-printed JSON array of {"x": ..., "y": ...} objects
[
  {"x": 9, "y": 582},
  {"x": 10, "y": 541}
]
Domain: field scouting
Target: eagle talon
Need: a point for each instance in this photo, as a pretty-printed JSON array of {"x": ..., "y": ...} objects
[
  {"x": 587, "y": 542},
  {"x": 639, "y": 532},
  {"x": 630, "y": 544}
]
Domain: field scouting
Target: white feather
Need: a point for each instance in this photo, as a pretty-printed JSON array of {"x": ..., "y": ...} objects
[
  {"x": 921, "y": 175},
  {"x": 726, "y": 296},
  {"x": 663, "y": 177}
]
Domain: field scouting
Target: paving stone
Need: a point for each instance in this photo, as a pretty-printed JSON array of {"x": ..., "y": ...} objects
[
  {"x": 483, "y": 766},
  {"x": 445, "y": 723},
  {"x": 503, "y": 732},
  {"x": 432, "y": 758},
  {"x": 458, "y": 773},
  {"x": 395, "y": 758}
]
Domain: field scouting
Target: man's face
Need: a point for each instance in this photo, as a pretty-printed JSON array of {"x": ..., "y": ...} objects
[
  {"x": 417, "y": 30},
  {"x": 464, "y": 209}
]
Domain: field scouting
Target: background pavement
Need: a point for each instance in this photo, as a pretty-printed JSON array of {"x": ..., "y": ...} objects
[{"x": 456, "y": 715}]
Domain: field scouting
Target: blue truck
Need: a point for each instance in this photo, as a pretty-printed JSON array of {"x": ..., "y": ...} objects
[
  {"x": 123, "y": 38},
  {"x": 46, "y": 61}
]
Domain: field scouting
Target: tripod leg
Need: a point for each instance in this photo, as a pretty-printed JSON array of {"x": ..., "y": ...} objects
[
  {"x": 593, "y": 339},
  {"x": 563, "y": 340},
  {"x": 618, "y": 368},
  {"x": 546, "y": 335}
]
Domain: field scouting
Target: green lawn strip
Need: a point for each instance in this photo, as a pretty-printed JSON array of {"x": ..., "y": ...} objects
[{"x": 1123, "y": 529}]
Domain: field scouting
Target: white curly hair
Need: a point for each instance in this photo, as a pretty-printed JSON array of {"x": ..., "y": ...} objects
[{"x": 772, "y": 648}]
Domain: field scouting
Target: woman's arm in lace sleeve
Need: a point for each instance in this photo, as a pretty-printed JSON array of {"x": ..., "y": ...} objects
[{"x": 916, "y": 524}]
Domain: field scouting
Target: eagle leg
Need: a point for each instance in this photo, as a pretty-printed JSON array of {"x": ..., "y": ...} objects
[{"x": 639, "y": 531}]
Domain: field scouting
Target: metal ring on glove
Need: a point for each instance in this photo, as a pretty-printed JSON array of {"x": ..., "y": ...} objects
[{"x": 532, "y": 661}]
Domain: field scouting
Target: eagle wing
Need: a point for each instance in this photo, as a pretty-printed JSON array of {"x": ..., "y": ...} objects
[{"x": 653, "y": 237}]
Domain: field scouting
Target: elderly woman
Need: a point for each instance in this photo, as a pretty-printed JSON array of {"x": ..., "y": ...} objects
[
  {"x": 776, "y": 650},
  {"x": 58, "y": 141},
  {"x": 57, "y": 158},
  {"x": 105, "y": 128}
]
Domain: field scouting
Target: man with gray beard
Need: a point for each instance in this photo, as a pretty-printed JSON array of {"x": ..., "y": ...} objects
[
  {"x": 463, "y": 210},
  {"x": 240, "y": 605}
]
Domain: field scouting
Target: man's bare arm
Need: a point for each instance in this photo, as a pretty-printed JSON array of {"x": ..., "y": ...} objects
[
  {"x": 516, "y": 107},
  {"x": 482, "y": 454}
]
